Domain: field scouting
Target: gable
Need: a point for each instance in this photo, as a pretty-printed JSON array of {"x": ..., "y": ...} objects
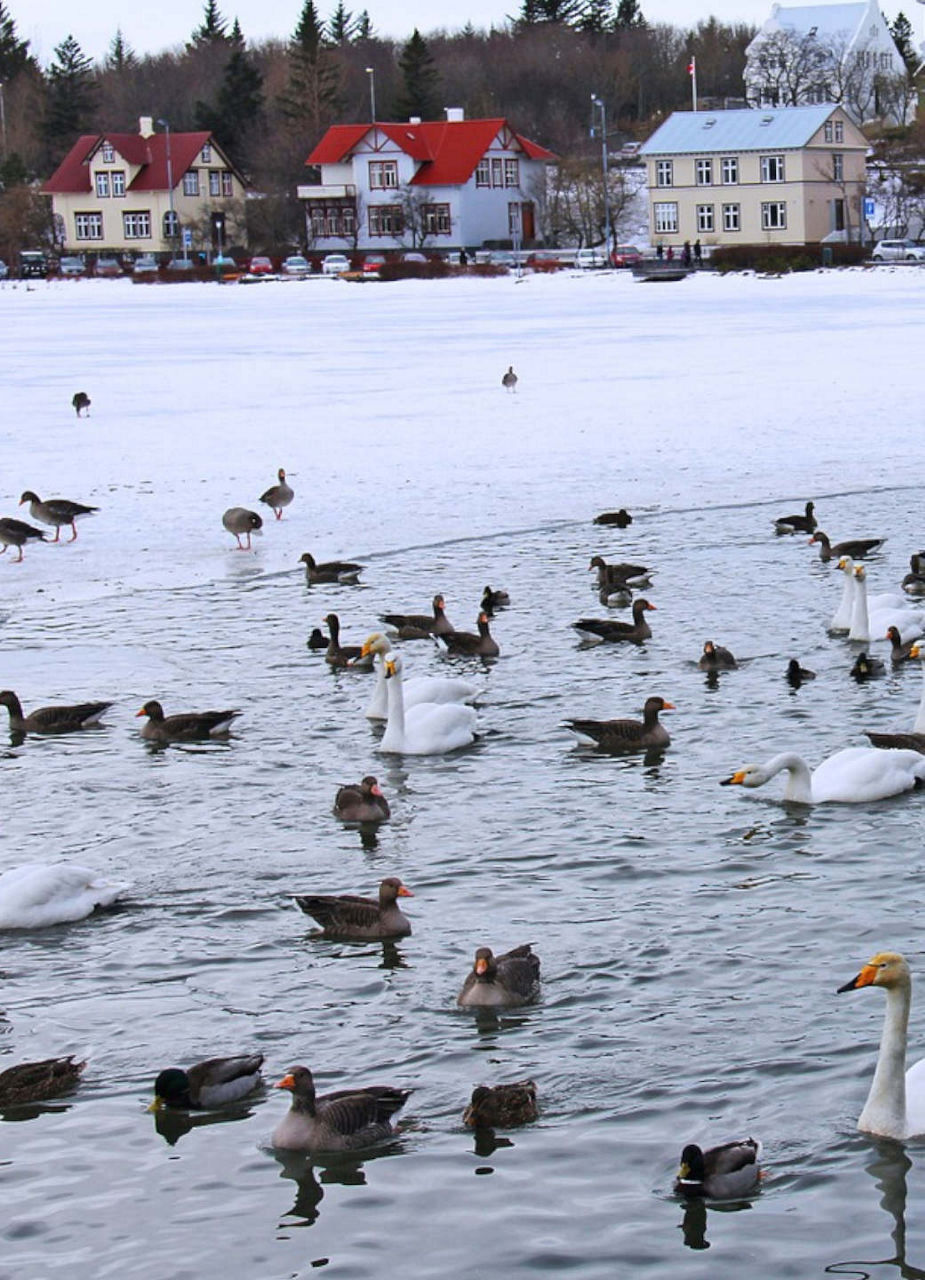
[{"x": 779, "y": 128}]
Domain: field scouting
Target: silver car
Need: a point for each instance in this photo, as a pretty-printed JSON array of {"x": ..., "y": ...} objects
[
  {"x": 335, "y": 264},
  {"x": 898, "y": 251}
]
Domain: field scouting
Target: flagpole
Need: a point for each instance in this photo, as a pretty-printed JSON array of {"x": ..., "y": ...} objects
[{"x": 693, "y": 71}]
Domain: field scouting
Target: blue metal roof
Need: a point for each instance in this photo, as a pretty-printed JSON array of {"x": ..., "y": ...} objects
[{"x": 701, "y": 132}]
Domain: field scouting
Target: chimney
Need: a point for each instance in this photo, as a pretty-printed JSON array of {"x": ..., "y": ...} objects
[
  {"x": 414, "y": 119},
  {"x": 454, "y": 115},
  {"x": 146, "y": 126}
]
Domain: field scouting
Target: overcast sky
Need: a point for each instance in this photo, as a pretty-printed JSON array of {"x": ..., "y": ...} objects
[{"x": 151, "y": 28}]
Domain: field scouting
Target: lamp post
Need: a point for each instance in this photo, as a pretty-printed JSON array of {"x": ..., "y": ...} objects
[
  {"x": 598, "y": 102},
  {"x": 173, "y": 216},
  {"x": 371, "y": 72}
]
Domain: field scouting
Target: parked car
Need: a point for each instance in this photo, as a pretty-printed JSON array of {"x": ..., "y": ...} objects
[
  {"x": 181, "y": 265},
  {"x": 625, "y": 255},
  {"x": 296, "y": 265},
  {"x": 260, "y": 266},
  {"x": 4, "y": 270},
  {"x": 373, "y": 261},
  {"x": 108, "y": 267},
  {"x": 589, "y": 259},
  {"x": 898, "y": 251},
  {"x": 146, "y": 265},
  {"x": 33, "y": 265},
  {"x": 224, "y": 264},
  {"x": 414, "y": 257},
  {"x": 334, "y": 264},
  {"x": 74, "y": 266}
]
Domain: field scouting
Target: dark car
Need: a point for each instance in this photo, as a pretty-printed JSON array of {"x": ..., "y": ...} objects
[
  {"x": 181, "y": 265},
  {"x": 108, "y": 267},
  {"x": 33, "y": 265}
]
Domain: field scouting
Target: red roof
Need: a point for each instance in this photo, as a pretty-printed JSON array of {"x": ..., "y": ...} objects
[
  {"x": 73, "y": 173},
  {"x": 448, "y": 150}
]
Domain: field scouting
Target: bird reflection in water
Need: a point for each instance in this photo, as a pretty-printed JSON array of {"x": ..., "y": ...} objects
[
  {"x": 312, "y": 1174},
  {"x": 486, "y": 1143},
  {"x": 173, "y": 1124},
  {"x": 694, "y": 1222},
  {"x": 888, "y": 1168}
]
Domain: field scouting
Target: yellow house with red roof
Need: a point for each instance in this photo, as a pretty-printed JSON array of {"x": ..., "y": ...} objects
[
  {"x": 139, "y": 193},
  {"x": 439, "y": 184}
]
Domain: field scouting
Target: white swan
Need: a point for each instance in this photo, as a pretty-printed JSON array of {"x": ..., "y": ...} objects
[
  {"x": 856, "y": 775},
  {"x": 429, "y": 728},
  {"x": 417, "y": 689},
  {"x": 841, "y": 618},
  {"x": 895, "y": 1106},
  {"x": 918, "y": 651},
  {"x": 40, "y": 893},
  {"x": 870, "y": 619}
]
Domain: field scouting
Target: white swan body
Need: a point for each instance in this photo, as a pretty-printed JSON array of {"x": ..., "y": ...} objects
[
  {"x": 895, "y": 1106},
  {"x": 918, "y": 651},
  {"x": 871, "y": 619},
  {"x": 841, "y": 618},
  {"x": 856, "y": 775},
  {"x": 37, "y": 894},
  {"x": 417, "y": 689},
  {"x": 429, "y": 728}
]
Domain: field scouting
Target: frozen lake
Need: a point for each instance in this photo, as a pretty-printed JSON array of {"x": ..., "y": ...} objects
[{"x": 691, "y": 937}]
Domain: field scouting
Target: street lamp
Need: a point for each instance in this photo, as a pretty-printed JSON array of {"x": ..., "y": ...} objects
[
  {"x": 597, "y": 102},
  {"x": 173, "y": 216},
  {"x": 371, "y": 72}
]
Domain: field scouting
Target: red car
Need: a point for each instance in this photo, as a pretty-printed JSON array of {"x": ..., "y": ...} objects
[
  {"x": 260, "y": 267},
  {"x": 625, "y": 255},
  {"x": 373, "y": 261}
]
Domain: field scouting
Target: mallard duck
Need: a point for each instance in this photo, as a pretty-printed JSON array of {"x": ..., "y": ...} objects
[
  {"x": 895, "y": 1106},
  {"x": 36, "y": 1081},
  {"x": 37, "y": 894},
  {"x": 318, "y": 640},
  {"x": 612, "y": 631},
  {"x": 501, "y": 982},
  {"x": 238, "y": 520},
  {"x": 16, "y": 533},
  {"x": 716, "y": 658},
  {"x": 213, "y": 1083},
  {"x": 796, "y": 674},
  {"x": 81, "y": 403},
  {"x": 492, "y": 600},
  {"x": 856, "y": 775},
  {"x": 418, "y": 626},
  {"x": 501, "y": 1106},
  {"x": 509, "y": 379},
  {"x": 56, "y": 511},
  {"x": 342, "y": 571},
  {"x": 805, "y": 523},
  {"x": 185, "y": 726},
  {"x": 361, "y": 802},
  {"x": 278, "y": 495},
  {"x": 856, "y": 548},
  {"x": 341, "y": 1121},
  {"x": 65, "y": 719},
  {"x": 372, "y": 919},
  {"x": 720, "y": 1173},
  {"x": 866, "y": 667},
  {"x": 481, "y": 644},
  {"x": 621, "y": 518},
  {"x": 627, "y": 735}
]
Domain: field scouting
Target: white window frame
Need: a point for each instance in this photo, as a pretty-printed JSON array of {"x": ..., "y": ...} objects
[
  {"x": 118, "y": 183},
  {"x": 383, "y": 175},
  {"x": 497, "y": 172},
  {"x": 191, "y": 182},
  {"x": 136, "y": 224},
  {"x": 206, "y": 153},
  {"x": 827, "y": 131},
  {"x": 102, "y": 186},
  {"x": 665, "y": 217},
  {"x": 706, "y": 219},
  {"x": 838, "y": 167},
  {"x": 772, "y": 169},
  {"x": 729, "y": 168},
  {"x": 511, "y": 171},
  {"x": 839, "y": 131},
  {"x": 436, "y": 219},
  {"x": 215, "y": 183},
  {"x": 227, "y": 182},
  {"x": 732, "y": 217},
  {"x": 170, "y": 224},
  {"x": 703, "y": 172},
  {"x": 664, "y": 173},
  {"x": 483, "y": 173},
  {"x": 774, "y": 215},
  {"x": 88, "y": 226},
  {"x": 108, "y": 154}
]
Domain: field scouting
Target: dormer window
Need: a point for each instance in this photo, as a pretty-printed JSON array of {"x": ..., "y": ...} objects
[
  {"x": 207, "y": 153},
  {"x": 108, "y": 156}
]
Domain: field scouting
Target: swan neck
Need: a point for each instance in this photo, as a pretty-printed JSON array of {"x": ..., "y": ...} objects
[
  {"x": 860, "y": 621},
  {"x": 919, "y": 726},
  {"x": 885, "y": 1109},
  {"x": 395, "y": 728},
  {"x": 799, "y": 786}
]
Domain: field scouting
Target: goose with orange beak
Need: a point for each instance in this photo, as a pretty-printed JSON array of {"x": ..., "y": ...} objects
[{"x": 341, "y": 1121}]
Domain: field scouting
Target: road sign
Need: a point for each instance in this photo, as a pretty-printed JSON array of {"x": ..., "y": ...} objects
[
  {"x": 187, "y": 237},
  {"x": 869, "y": 208}
]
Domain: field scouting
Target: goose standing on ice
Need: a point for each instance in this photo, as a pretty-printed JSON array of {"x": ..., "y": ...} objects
[
  {"x": 278, "y": 495},
  {"x": 509, "y": 380}
]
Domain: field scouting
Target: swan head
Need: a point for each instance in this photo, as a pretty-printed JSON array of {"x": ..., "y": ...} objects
[
  {"x": 393, "y": 667},
  {"x": 885, "y": 969},
  {"x": 375, "y": 643},
  {"x": 846, "y": 564},
  {"x": 860, "y": 572},
  {"x": 751, "y": 775}
]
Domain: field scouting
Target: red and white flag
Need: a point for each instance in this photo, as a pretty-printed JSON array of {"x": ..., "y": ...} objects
[{"x": 692, "y": 65}]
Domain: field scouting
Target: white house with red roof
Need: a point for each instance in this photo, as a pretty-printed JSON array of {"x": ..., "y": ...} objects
[
  {"x": 138, "y": 192},
  {"x": 436, "y": 184}
]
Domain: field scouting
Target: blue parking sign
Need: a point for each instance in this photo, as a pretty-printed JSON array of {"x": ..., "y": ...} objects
[{"x": 868, "y": 208}]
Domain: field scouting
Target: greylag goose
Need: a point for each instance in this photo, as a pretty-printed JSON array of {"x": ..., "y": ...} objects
[
  {"x": 501, "y": 982},
  {"x": 344, "y": 655},
  {"x": 361, "y": 802},
  {"x": 621, "y": 518},
  {"x": 509, "y": 379},
  {"x": 914, "y": 740},
  {"x": 16, "y": 533},
  {"x": 366, "y": 919},
  {"x": 501, "y": 1106},
  {"x": 856, "y": 775},
  {"x": 185, "y": 726},
  {"x": 716, "y": 658},
  {"x": 627, "y": 735},
  {"x": 866, "y": 667},
  {"x": 341, "y": 1121},
  {"x": 342, "y": 571},
  {"x": 278, "y": 495},
  {"x": 805, "y": 523},
  {"x": 605, "y": 629},
  {"x": 56, "y": 512},
  {"x": 796, "y": 674},
  {"x": 238, "y": 520},
  {"x": 37, "y": 894},
  {"x": 619, "y": 575},
  {"x": 418, "y": 626},
  {"x": 81, "y": 402},
  {"x": 492, "y": 600},
  {"x": 36, "y": 1081},
  {"x": 618, "y": 596},
  {"x": 213, "y": 1083},
  {"x": 856, "y": 548},
  {"x": 417, "y": 689},
  {"x": 720, "y": 1173},
  {"x": 895, "y": 1106},
  {"x": 66, "y": 719},
  {"x": 899, "y": 651},
  {"x": 481, "y": 643}
]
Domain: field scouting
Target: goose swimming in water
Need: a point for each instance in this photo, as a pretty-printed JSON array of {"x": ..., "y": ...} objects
[{"x": 342, "y": 1121}]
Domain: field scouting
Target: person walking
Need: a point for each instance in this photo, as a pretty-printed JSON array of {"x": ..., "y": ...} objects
[
  {"x": 698, "y": 253},
  {"x": 686, "y": 253}
]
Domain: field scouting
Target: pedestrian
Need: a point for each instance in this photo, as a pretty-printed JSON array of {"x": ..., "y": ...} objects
[
  {"x": 463, "y": 258},
  {"x": 698, "y": 253},
  {"x": 670, "y": 253},
  {"x": 686, "y": 254},
  {"x": 659, "y": 250}
]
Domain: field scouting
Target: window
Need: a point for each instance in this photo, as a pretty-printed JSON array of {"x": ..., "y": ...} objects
[
  {"x": 171, "y": 225},
  {"x": 137, "y": 226},
  {"x": 772, "y": 168},
  {"x": 118, "y": 182},
  {"x": 732, "y": 219},
  {"x": 827, "y": 131},
  {"x": 515, "y": 222},
  {"x": 227, "y": 183},
  {"x": 336, "y": 219},
  {"x": 108, "y": 155},
  {"x": 664, "y": 173},
  {"x": 666, "y": 217},
  {"x": 483, "y": 174},
  {"x": 838, "y": 215},
  {"x": 730, "y": 170},
  {"x": 497, "y": 173},
  {"x": 207, "y": 153},
  {"x": 512, "y": 173},
  {"x": 703, "y": 171},
  {"x": 385, "y": 220},
  {"x": 839, "y": 131},
  {"x": 102, "y": 186},
  {"x": 382, "y": 174},
  {"x": 705, "y": 221},
  {"x": 215, "y": 183},
  {"x": 191, "y": 182},
  {"x": 436, "y": 219},
  {"x": 774, "y": 216},
  {"x": 838, "y": 167},
  {"x": 88, "y": 226},
  {"x": 886, "y": 61}
]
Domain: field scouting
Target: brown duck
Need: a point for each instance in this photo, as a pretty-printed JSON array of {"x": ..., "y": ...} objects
[
  {"x": 36, "y": 1081},
  {"x": 716, "y": 658},
  {"x": 501, "y": 1106},
  {"x": 341, "y": 1121},
  {"x": 67, "y": 719},
  {"x": 344, "y": 655},
  {"x": 856, "y": 548},
  {"x": 16, "y": 533},
  {"x": 621, "y": 518},
  {"x": 627, "y": 735},
  {"x": 238, "y": 520},
  {"x": 185, "y": 726},
  {"x": 621, "y": 574},
  {"x": 805, "y": 523},
  {"x": 367, "y": 919}
]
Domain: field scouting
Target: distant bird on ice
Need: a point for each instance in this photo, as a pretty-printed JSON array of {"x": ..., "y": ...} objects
[
  {"x": 238, "y": 520},
  {"x": 16, "y": 533},
  {"x": 81, "y": 401},
  {"x": 509, "y": 381},
  {"x": 278, "y": 495}
]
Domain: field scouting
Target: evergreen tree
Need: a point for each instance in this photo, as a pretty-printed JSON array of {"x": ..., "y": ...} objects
[
  {"x": 596, "y": 17},
  {"x": 342, "y": 25},
  {"x": 559, "y": 11},
  {"x": 901, "y": 31},
  {"x": 14, "y": 53},
  {"x": 238, "y": 105},
  {"x": 71, "y": 97},
  {"x": 120, "y": 56},
  {"x": 419, "y": 95},
  {"x": 364, "y": 29},
  {"x": 212, "y": 28},
  {"x": 312, "y": 96},
  {"x": 628, "y": 15},
  {"x": 529, "y": 13},
  {"x": 237, "y": 35}
]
